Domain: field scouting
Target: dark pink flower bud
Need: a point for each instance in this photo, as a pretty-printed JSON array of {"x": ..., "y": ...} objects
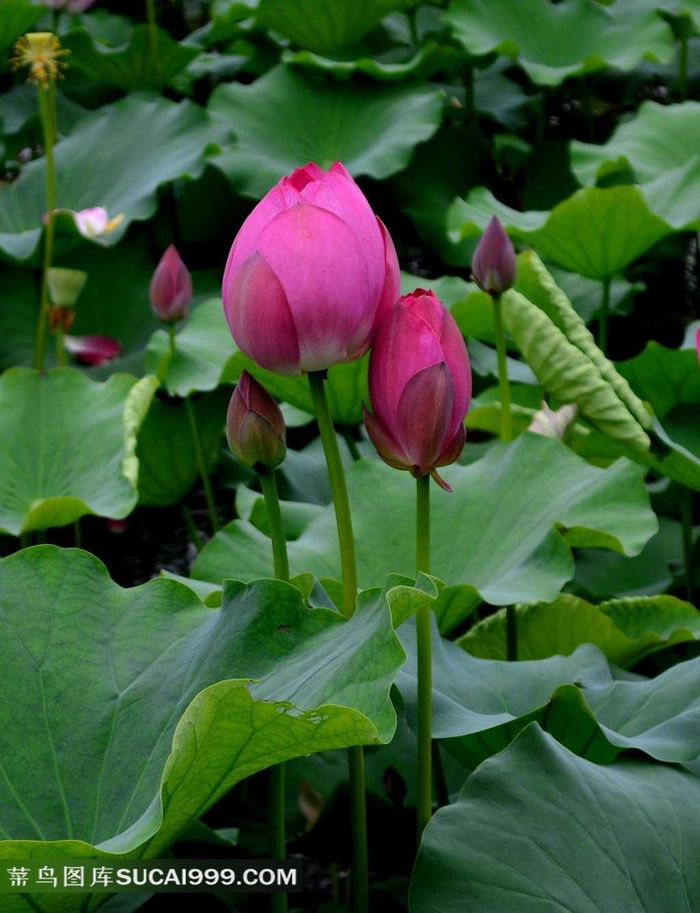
[
  {"x": 419, "y": 387},
  {"x": 92, "y": 350},
  {"x": 171, "y": 287},
  {"x": 493, "y": 263},
  {"x": 310, "y": 274},
  {"x": 254, "y": 425}
]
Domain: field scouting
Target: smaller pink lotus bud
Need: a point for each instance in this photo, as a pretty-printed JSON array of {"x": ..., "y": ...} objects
[
  {"x": 92, "y": 350},
  {"x": 171, "y": 287},
  {"x": 419, "y": 387},
  {"x": 493, "y": 263},
  {"x": 255, "y": 428}
]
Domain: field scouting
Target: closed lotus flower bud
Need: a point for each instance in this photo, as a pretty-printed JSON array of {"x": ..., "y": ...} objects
[
  {"x": 310, "y": 275},
  {"x": 171, "y": 287},
  {"x": 419, "y": 387},
  {"x": 254, "y": 426},
  {"x": 493, "y": 263}
]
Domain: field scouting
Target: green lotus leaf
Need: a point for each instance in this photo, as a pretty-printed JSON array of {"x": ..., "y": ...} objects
[
  {"x": 555, "y": 41},
  {"x": 158, "y": 142},
  {"x": 659, "y": 146},
  {"x": 556, "y": 498},
  {"x": 128, "y": 67},
  {"x": 324, "y": 27},
  {"x": 68, "y": 446},
  {"x": 169, "y": 724},
  {"x": 596, "y": 232},
  {"x": 284, "y": 120},
  {"x": 533, "y": 823},
  {"x": 625, "y": 630}
]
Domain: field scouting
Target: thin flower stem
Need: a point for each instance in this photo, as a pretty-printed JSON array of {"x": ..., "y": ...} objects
[
  {"x": 503, "y": 385},
  {"x": 198, "y": 452},
  {"x": 61, "y": 359},
  {"x": 46, "y": 97},
  {"x": 153, "y": 37},
  {"x": 339, "y": 488},
  {"x": 425, "y": 657},
  {"x": 275, "y": 797},
  {"x": 604, "y": 317},
  {"x": 268, "y": 483},
  {"x": 348, "y": 561}
]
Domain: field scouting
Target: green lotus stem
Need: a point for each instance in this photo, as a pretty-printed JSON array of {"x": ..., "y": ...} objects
[
  {"x": 268, "y": 483},
  {"x": 198, "y": 452},
  {"x": 352, "y": 444},
  {"x": 503, "y": 385},
  {"x": 48, "y": 119},
  {"x": 604, "y": 317},
  {"x": 341, "y": 503},
  {"x": 348, "y": 561},
  {"x": 275, "y": 798},
  {"x": 425, "y": 660},
  {"x": 687, "y": 527},
  {"x": 153, "y": 36},
  {"x": 61, "y": 359}
]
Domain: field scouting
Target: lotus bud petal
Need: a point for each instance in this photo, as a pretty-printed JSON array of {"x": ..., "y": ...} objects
[
  {"x": 310, "y": 275},
  {"x": 91, "y": 349},
  {"x": 171, "y": 287},
  {"x": 553, "y": 423},
  {"x": 493, "y": 263},
  {"x": 255, "y": 428},
  {"x": 419, "y": 387}
]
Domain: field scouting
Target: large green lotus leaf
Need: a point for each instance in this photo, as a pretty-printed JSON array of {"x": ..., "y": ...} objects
[
  {"x": 415, "y": 64},
  {"x": 652, "y": 572},
  {"x": 165, "y": 449},
  {"x": 128, "y": 67},
  {"x": 596, "y": 232},
  {"x": 645, "y": 624},
  {"x": 158, "y": 141},
  {"x": 539, "y": 828},
  {"x": 68, "y": 446},
  {"x": 665, "y": 378},
  {"x": 659, "y": 147},
  {"x": 18, "y": 17},
  {"x": 554, "y": 41},
  {"x": 506, "y": 530},
  {"x": 207, "y": 356},
  {"x": 595, "y": 717},
  {"x": 283, "y": 120},
  {"x": 163, "y": 731},
  {"x": 321, "y": 26}
]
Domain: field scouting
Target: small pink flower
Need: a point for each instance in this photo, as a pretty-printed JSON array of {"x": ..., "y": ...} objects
[
  {"x": 310, "y": 275},
  {"x": 171, "y": 287},
  {"x": 493, "y": 263},
  {"x": 419, "y": 387},
  {"x": 92, "y": 350}
]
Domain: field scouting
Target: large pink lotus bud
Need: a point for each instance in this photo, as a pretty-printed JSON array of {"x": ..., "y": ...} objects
[
  {"x": 419, "y": 386},
  {"x": 493, "y": 263},
  {"x": 310, "y": 275},
  {"x": 255, "y": 429},
  {"x": 171, "y": 287}
]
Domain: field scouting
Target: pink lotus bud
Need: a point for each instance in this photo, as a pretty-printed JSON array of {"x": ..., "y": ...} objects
[
  {"x": 310, "y": 275},
  {"x": 419, "y": 386},
  {"x": 255, "y": 428},
  {"x": 493, "y": 263},
  {"x": 171, "y": 287},
  {"x": 92, "y": 350}
]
